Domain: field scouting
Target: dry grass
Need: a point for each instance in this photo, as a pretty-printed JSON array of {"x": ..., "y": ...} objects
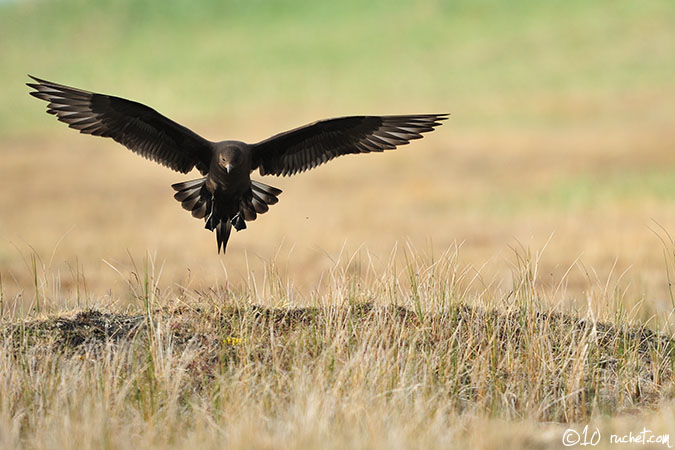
[
  {"x": 505, "y": 278},
  {"x": 420, "y": 367}
]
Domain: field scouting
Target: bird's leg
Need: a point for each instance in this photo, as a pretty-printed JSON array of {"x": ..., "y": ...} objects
[
  {"x": 209, "y": 220},
  {"x": 238, "y": 222}
]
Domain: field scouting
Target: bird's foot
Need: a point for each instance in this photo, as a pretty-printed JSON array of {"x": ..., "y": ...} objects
[
  {"x": 210, "y": 223},
  {"x": 238, "y": 222}
]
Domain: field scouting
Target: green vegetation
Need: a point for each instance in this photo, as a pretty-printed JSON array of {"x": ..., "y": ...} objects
[
  {"x": 587, "y": 191},
  {"x": 490, "y": 63}
]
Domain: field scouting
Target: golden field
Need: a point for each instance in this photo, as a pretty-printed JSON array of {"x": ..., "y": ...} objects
[{"x": 489, "y": 286}]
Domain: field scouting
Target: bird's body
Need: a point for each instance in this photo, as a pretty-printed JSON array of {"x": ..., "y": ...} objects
[{"x": 226, "y": 196}]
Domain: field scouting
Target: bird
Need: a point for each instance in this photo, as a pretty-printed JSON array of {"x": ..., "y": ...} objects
[{"x": 226, "y": 197}]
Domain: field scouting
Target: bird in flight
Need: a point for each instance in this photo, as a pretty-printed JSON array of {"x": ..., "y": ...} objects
[{"x": 225, "y": 196}]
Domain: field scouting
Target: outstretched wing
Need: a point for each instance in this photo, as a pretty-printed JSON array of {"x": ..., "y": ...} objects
[
  {"x": 134, "y": 125},
  {"x": 312, "y": 145}
]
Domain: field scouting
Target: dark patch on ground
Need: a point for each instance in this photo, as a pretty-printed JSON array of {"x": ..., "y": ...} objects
[
  {"x": 85, "y": 328},
  {"x": 94, "y": 327}
]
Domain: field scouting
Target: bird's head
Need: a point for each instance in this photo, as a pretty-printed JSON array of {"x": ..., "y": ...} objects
[{"x": 230, "y": 158}]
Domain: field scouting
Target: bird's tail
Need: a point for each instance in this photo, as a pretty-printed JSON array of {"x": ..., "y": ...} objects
[
  {"x": 262, "y": 196},
  {"x": 195, "y": 198},
  {"x": 223, "y": 234}
]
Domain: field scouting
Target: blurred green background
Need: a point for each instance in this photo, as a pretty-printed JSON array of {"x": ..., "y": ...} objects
[{"x": 489, "y": 62}]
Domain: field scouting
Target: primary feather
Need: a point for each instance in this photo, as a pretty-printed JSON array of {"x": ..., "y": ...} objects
[
  {"x": 309, "y": 146},
  {"x": 134, "y": 125}
]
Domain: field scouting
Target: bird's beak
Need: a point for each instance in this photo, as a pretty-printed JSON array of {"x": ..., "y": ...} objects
[{"x": 228, "y": 168}]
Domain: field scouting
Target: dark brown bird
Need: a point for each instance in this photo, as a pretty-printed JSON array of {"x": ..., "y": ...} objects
[{"x": 226, "y": 196}]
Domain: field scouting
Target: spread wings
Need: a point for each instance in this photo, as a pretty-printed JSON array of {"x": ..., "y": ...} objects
[
  {"x": 134, "y": 125},
  {"x": 312, "y": 145}
]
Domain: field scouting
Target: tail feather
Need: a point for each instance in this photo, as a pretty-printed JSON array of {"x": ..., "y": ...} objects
[
  {"x": 192, "y": 197},
  {"x": 223, "y": 234},
  {"x": 188, "y": 184},
  {"x": 262, "y": 195},
  {"x": 259, "y": 204},
  {"x": 266, "y": 193},
  {"x": 195, "y": 198},
  {"x": 191, "y": 203},
  {"x": 248, "y": 209},
  {"x": 188, "y": 194},
  {"x": 266, "y": 188},
  {"x": 199, "y": 212}
]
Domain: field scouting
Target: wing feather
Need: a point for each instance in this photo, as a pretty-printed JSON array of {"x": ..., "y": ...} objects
[
  {"x": 134, "y": 125},
  {"x": 309, "y": 146}
]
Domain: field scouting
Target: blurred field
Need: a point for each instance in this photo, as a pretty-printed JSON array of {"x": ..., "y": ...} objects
[{"x": 559, "y": 146}]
